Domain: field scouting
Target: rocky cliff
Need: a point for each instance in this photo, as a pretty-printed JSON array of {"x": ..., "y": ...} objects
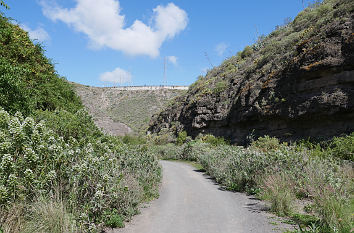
[{"x": 298, "y": 82}]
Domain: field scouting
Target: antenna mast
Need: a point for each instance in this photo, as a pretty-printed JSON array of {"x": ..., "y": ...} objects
[
  {"x": 164, "y": 72},
  {"x": 207, "y": 57}
]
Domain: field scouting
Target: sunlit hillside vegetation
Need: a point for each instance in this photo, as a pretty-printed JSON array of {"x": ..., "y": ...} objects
[
  {"x": 308, "y": 183},
  {"x": 58, "y": 171}
]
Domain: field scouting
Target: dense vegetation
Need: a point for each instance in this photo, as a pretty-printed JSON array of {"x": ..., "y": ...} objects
[
  {"x": 307, "y": 182},
  {"x": 28, "y": 80},
  {"x": 58, "y": 171}
]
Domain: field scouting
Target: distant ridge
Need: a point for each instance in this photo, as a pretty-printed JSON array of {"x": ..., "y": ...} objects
[{"x": 126, "y": 109}]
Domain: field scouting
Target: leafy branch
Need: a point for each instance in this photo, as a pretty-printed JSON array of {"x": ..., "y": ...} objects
[{"x": 2, "y": 3}]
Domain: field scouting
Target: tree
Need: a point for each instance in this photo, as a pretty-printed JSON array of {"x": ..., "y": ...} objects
[{"x": 2, "y": 3}]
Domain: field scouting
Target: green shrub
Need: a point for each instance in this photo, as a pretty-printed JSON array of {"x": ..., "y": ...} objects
[
  {"x": 246, "y": 52},
  {"x": 133, "y": 140},
  {"x": 338, "y": 147},
  {"x": 220, "y": 87},
  {"x": 163, "y": 138},
  {"x": 14, "y": 94},
  {"x": 93, "y": 177},
  {"x": 28, "y": 80},
  {"x": 182, "y": 137},
  {"x": 266, "y": 143},
  {"x": 168, "y": 151},
  {"x": 78, "y": 125},
  {"x": 343, "y": 147},
  {"x": 113, "y": 219},
  {"x": 212, "y": 140}
]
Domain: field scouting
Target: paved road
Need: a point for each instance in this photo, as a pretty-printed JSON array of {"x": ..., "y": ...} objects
[{"x": 191, "y": 203}]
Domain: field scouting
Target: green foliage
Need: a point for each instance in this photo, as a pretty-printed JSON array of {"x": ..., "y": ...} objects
[
  {"x": 163, "y": 138},
  {"x": 266, "y": 143},
  {"x": 343, "y": 147},
  {"x": 338, "y": 147},
  {"x": 78, "y": 125},
  {"x": 2, "y": 3},
  {"x": 220, "y": 87},
  {"x": 49, "y": 144},
  {"x": 28, "y": 80},
  {"x": 133, "y": 140},
  {"x": 280, "y": 174},
  {"x": 212, "y": 140},
  {"x": 246, "y": 52},
  {"x": 182, "y": 137},
  {"x": 93, "y": 177},
  {"x": 113, "y": 219},
  {"x": 14, "y": 94}
]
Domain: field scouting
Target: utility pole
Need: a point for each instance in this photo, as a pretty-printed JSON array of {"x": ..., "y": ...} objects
[
  {"x": 164, "y": 72},
  {"x": 207, "y": 57}
]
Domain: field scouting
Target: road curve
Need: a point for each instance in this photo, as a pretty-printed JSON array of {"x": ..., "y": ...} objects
[{"x": 189, "y": 202}]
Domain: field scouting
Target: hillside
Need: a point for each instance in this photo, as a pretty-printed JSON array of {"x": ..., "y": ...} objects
[
  {"x": 58, "y": 171},
  {"x": 28, "y": 80},
  {"x": 297, "y": 82},
  {"x": 120, "y": 112}
]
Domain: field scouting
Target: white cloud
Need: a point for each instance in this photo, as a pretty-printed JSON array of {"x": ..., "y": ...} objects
[
  {"x": 172, "y": 59},
  {"x": 117, "y": 76},
  {"x": 221, "y": 48},
  {"x": 105, "y": 26},
  {"x": 38, "y": 34}
]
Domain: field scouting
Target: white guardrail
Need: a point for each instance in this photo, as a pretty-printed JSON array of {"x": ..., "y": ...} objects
[{"x": 138, "y": 88}]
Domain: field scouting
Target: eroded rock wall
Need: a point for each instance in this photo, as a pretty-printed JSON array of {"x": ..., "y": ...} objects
[{"x": 310, "y": 95}]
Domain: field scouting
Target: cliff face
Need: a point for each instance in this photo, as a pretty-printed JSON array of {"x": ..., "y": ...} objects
[{"x": 298, "y": 82}]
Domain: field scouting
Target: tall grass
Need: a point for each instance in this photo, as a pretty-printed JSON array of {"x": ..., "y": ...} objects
[
  {"x": 49, "y": 215},
  {"x": 283, "y": 174}
]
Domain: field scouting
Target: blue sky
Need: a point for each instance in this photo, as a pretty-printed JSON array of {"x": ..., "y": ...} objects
[{"x": 110, "y": 42}]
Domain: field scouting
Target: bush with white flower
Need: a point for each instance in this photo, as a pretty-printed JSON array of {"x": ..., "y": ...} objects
[{"x": 96, "y": 178}]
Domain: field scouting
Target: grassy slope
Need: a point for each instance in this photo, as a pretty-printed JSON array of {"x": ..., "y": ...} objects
[
  {"x": 28, "y": 80},
  {"x": 132, "y": 108},
  {"x": 272, "y": 54}
]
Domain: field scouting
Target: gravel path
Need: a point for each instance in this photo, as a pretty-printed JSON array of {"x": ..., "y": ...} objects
[{"x": 190, "y": 202}]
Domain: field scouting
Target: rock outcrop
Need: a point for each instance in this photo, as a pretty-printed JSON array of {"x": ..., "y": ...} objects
[{"x": 296, "y": 83}]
